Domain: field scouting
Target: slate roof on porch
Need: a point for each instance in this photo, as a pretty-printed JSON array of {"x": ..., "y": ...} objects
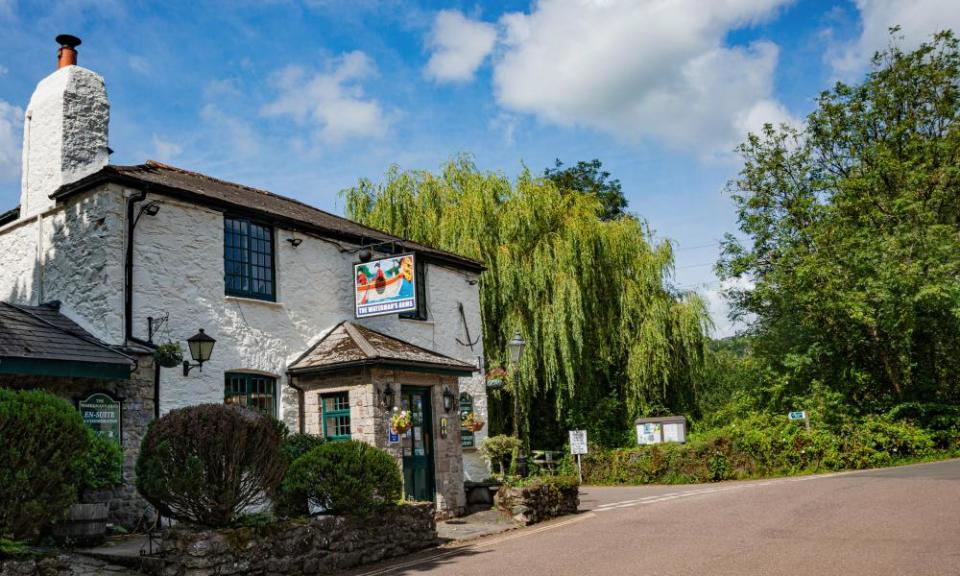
[
  {"x": 41, "y": 340},
  {"x": 351, "y": 345}
]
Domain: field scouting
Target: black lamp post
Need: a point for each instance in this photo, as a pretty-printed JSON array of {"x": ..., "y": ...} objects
[
  {"x": 201, "y": 347},
  {"x": 516, "y": 346}
]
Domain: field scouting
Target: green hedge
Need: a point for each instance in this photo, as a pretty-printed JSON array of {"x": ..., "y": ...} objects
[
  {"x": 42, "y": 446},
  {"x": 762, "y": 446}
]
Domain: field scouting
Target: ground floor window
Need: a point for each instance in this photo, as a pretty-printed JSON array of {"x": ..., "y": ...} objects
[
  {"x": 253, "y": 391},
  {"x": 336, "y": 416}
]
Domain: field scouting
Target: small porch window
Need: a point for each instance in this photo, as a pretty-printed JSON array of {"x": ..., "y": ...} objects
[
  {"x": 253, "y": 391},
  {"x": 336, "y": 416}
]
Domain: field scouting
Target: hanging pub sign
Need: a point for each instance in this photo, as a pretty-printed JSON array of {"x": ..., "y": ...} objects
[
  {"x": 101, "y": 413},
  {"x": 385, "y": 286}
]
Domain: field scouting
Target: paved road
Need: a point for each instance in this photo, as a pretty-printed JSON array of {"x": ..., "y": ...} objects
[{"x": 892, "y": 521}]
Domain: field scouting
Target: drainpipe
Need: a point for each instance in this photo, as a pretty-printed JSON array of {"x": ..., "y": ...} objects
[
  {"x": 301, "y": 413},
  {"x": 128, "y": 296}
]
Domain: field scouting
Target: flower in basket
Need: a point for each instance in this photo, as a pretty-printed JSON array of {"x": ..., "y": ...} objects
[
  {"x": 471, "y": 422},
  {"x": 400, "y": 421},
  {"x": 168, "y": 355}
]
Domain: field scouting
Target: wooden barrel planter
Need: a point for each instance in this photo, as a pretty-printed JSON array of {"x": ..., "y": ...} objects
[{"x": 84, "y": 523}]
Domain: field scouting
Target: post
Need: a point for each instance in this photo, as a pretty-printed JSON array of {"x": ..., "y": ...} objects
[
  {"x": 579, "y": 469},
  {"x": 806, "y": 420}
]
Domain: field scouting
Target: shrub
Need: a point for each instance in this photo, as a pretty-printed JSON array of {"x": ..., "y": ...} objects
[
  {"x": 102, "y": 465},
  {"x": 42, "y": 438},
  {"x": 350, "y": 478},
  {"x": 499, "y": 450},
  {"x": 296, "y": 445},
  {"x": 207, "y": 464}
]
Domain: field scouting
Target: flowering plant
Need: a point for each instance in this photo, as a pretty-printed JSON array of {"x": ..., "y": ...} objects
[
  {"x": 471, "y": 422},
  {"x": 400, "y": 421}
]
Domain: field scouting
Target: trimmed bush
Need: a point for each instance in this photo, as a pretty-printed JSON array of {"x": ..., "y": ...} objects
[
  {"x": 296, "y": 445},
  {"x": 102, "y": 465},
  {"x": 499, "y": 450},
  {"x": 209, "y": 463},
  {"x": 42, "y": 439},
  {"x": 349, "y": 478}
]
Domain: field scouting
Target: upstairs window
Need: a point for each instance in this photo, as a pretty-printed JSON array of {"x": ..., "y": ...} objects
[
  {"x": 336, "y": 416},
  {"x": 253, "y": 391},
  {"x": 248, "y": 263}
]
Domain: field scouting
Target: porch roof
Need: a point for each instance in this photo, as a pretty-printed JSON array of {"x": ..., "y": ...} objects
[
  {"x": 351, "y": 345},
  {"x": 39, "y": 340}
]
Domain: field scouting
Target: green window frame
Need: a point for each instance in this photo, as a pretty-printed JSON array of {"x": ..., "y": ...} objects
[
  {"x": 335, "y": 416},
  {"x": 467, "y": 438},
  {"x": 251, "y": 390},
  {"x": 249, "y": 269}
]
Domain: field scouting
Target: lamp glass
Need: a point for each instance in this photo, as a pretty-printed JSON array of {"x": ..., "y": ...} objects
[
  {"x": 201, "y": 346},
  {"x": 516, "y": 347}
]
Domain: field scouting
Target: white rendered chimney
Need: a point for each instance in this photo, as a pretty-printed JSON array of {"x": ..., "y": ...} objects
[{"x": 65, "y": 130}]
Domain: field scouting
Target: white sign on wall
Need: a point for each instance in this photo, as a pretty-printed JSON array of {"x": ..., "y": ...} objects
[{"x": 578, "y": 441}]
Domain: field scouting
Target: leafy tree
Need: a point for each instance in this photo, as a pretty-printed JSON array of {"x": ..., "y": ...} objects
[
  {"x": 853, "y": 222},
  {"x": 590, "y": 296},
  {"x": 590, "y": 178}
]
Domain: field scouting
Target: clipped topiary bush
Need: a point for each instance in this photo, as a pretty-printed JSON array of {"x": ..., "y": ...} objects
[
  {"x": 296, "y": 445},
  {"x": 349, "y": 478},
  {"x": 206, "y": 464},
  {"x": 499, "y": 450},
  {"x": 102, "y": 465},
  {"x": 42, "y": 439}
]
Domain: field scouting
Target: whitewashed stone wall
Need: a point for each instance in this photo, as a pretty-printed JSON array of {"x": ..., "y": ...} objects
[
  {"x": 72, "y": 253},
  {"x": 178, "y": 271}
]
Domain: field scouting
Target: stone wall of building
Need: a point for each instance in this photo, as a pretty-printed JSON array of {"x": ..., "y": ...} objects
[
  {"x": 127, "y": 508},
  {"x": 370, "y": 421},
  {"x": 319, "y": 545}
]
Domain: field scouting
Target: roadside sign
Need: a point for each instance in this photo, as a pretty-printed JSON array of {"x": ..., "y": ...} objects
[
  {"x": 798, "y": 415},
  {"x": 578, "y": 441},
  {"x": 101, "y": 413}
]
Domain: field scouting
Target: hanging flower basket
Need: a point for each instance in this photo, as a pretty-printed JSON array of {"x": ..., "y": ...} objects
[
  {"x": 400, "y": 421},
  {"x": 168, "y": 355},
  {"x": 472, "y": 423}
]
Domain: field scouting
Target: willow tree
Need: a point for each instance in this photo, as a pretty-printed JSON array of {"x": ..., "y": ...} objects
[{"x": 591, "y": 297}]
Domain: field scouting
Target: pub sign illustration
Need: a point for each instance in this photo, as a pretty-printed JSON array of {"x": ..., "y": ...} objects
[{"x": 385, "y": 286}]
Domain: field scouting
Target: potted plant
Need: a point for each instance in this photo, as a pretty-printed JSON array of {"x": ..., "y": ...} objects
[
  {"x": 168, "y": 355},
  {"x": 471, "y": 422},
  {"x": 400, "y": 421}
]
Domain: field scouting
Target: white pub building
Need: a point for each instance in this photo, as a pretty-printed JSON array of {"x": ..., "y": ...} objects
[{"x": 319, "y": 321}]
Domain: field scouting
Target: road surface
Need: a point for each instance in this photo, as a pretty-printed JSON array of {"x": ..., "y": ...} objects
[{"x": 893, "y": 521}]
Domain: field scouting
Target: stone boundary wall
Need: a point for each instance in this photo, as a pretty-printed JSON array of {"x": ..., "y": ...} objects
[
  {"x": 538, "y": 502},
  {"x": 317, "y": 545}
]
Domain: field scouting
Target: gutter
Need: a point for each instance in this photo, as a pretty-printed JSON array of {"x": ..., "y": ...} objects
[{"x": 128, "y": 297}]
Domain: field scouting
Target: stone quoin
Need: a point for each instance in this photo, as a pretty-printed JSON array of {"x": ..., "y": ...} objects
[{"x": 137, "y": 256}]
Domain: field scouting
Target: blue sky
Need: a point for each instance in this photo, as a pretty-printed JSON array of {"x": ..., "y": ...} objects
[{"x": 305, "y": 97}]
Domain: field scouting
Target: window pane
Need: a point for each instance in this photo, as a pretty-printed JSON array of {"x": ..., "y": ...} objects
[{"x": 248, "y": 259}]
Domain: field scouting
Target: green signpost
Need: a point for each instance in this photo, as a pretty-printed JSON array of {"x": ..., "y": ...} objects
[
  {"x": 102, "y": 414},
  {"x": 801, "y": 416}
]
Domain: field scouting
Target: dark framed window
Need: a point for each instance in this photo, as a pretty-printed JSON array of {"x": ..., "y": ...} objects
[
  {"x": 251, "y": 390},
  {"x": 248, "y": 262},
  {"x": 467, "y": 438},
  {"x": 421, "y": 286},
  {"x": 335, "y": 415}
]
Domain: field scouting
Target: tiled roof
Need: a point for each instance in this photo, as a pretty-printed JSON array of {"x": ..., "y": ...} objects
[
  {"x": 194, "y": 186},
  {"x": 43, "y": 333},
  {"x": 350, "y": 345}
]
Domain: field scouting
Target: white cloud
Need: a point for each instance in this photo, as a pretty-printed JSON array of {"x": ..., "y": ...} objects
[
  {"x": 232, "y": 130},
  {"x": 333, "y": 102},
  {"x": 11, "y": 125},
  {"x": 719, "y": 307},
  {"x": 165, "y": 150},
  {"x": 642, "y": 69},
  {"x": 918, "y": 19},
  {"x": 3, "y": 70},
  {"x": 459, "y": 45}
]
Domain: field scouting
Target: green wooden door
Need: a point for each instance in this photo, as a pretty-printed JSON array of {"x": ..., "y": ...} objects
[{"x": 417, "y": 444}]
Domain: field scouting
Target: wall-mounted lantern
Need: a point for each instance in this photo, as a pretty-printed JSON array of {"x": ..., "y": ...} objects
[
  {"x": 387, "y": 397},
  {"x": 201, "y": 347},
  {"x": 448, "y": 399}
]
